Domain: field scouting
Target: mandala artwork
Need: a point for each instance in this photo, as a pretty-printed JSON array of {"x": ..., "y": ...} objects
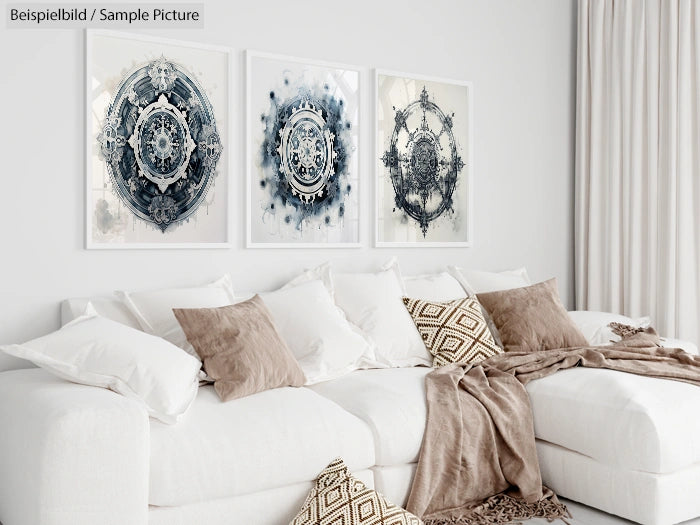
[
  {"x": 160, "y": 143},
  {"x": 423, "y": 161},
  {"x": 304, "y": 156}
]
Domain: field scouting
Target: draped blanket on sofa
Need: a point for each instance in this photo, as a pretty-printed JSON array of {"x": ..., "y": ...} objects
[{"x": 478, "y": 463}]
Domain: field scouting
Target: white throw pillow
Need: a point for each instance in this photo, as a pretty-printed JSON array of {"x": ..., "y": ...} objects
[
  {"x": 474, "y": 281},
  {"x": 433, "y": 287},
  {"x": 373, "y": 302},
  {"x": 594, "y": 325},
  {"x": 95, "y": 351},
  {"x": 316, "y": 331},
  {"x": 154, "y": 309},
  {"x": 108, "y": 307},
  {"x": 322, "y": 272}
]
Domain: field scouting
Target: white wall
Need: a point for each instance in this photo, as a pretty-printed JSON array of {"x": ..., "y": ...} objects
[{"x": 519, "y": 54}]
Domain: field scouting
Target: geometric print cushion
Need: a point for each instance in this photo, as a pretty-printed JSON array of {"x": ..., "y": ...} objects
[
  {"x": 454, "y": 331},
  {"x": 340, "y": 499}
]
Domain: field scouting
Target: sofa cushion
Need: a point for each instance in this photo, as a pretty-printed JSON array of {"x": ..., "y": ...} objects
[
  {"x": 391, "y": 402},
  {"x": 395, "y": 481},
  {"x": 624, "y": 420},
  {"x": 267, "y": 440},
  {"x": 619, "y": 419},
  {"x": 642, "y": 497},
  {"x": 266, "y": 507}
]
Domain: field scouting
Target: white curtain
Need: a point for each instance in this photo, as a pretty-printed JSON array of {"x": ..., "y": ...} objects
[{"x": 638, "y": 161}]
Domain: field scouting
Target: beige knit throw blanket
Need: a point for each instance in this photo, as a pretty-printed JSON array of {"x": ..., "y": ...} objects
[{"x": 478, "y": 463}]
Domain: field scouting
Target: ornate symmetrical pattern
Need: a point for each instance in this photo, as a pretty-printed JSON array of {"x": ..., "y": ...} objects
[
  {"x": 306, "y": 152},
  {"x": 453, "y": 331},
  {"x": 338, "y": 498},
  {"x": 423, "y": 161},
  {"x": 160, "y": 143},
  {"x": 305, "y": 155}
]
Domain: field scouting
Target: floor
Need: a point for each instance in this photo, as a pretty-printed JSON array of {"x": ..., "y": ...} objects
[{"x": 583, "y": 515}]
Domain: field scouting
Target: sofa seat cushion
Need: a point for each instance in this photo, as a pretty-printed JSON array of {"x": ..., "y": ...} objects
[
  {"x": 263, "y": 441},
  {"x": 391, "y": 402},
  {"x": 266, "y": 507},
  {"x": 619, "y": 419}
]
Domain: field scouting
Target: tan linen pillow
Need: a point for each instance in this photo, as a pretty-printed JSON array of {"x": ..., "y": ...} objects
[
  {"x": 339, "y": 498},
  {"x": 532, "y": 318},
  {"x": 240, "y": 348},
  {"x": 453, "y": 331}
]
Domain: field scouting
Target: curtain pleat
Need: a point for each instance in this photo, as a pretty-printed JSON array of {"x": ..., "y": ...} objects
[{"x": 638, "y": 161}]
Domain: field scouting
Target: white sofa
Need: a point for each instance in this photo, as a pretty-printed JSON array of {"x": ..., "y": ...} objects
[{"x": 77, "y": 455}]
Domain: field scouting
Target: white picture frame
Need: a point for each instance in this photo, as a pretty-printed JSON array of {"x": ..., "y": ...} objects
[
  {"x": 259, "y": 82},
  {"x": 208, "y": 226},
  {"x": 385, "y": 120}
]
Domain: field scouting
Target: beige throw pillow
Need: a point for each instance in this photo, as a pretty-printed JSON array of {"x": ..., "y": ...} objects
[
  {"x": 340, "y": 498},
  {"x": 453, "y": 331},
  {"x": 240, "y": 348},
  {"x": 532, "y": 318}
]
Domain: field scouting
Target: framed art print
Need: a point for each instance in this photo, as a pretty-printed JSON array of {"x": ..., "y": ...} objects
[
  {"x": 157, "y": 152},
  {"x": 302, "y": 161},
  {"x": 423, "y": 161}
]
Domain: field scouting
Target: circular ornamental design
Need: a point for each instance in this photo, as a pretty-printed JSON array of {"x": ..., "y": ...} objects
[
  {"x": 306, "y": 152},
  {"x": 160, "y": 143},
  {"x": 423, "y": 161}
]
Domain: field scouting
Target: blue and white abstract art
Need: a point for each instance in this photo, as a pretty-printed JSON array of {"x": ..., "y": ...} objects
[
  {"x": 302, "y": 157},
  {"x": 158, "y": 122},
  {"x": 423, "y": 161}
]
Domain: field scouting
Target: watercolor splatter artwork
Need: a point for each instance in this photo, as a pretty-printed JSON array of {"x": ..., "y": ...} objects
[
  {"x": 157, "y": 132},
  {"x": 423, "y": 161},
  {"x": 302, "y": 153}
]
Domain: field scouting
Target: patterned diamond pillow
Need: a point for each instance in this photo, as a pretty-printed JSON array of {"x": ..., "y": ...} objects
[
  {"x": 454, "y": 331},
  {"x": 340, "y": 499}
]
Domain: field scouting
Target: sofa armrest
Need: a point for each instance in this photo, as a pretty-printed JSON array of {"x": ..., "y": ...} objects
[
  {"x": 688, "y": 346},
  {"x": 9, "y": 362},
  {"x": 70, "y": 454},
  {"x": 593, "y": 326}
]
